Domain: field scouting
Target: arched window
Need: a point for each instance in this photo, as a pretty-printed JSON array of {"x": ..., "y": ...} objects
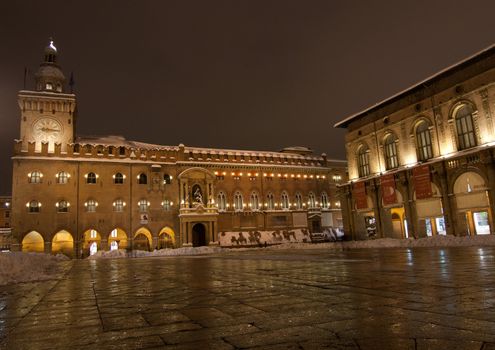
[
  {"x": 255, "y": 202},
  {"x": 118, "y": 205},
  {"x": 311, "y": 200},
  {"x": 238, "y": 203},
  {"x": 167, "y": 179},
  {"x": 363, "y": 161},
  {"x": 166, "y": 204},
  {"x": 62, "y": 206},
  {"x": 270, "y": 203},
  {"x": 324, "y": 200},
  {"x": 35, "y": 177},
  {"x": 91, "y": 205},
  {"x": 285, "y": 201},
  {"x": 299, "y": 201},
  {"x": 390, "y": 148},
  {"x": 62, "y": 177},
  {"x": 91, "y": 178},
  {"x": 118, "y": 179},
  {"x": 143, "y": 205},
  {"x": 221, "y": 201},
  {"x": 34, "y": 206},
  {"x": 423, "y": 141},
  {"x": 466, "y": 136},
  {"x": 142, "y": 179}
]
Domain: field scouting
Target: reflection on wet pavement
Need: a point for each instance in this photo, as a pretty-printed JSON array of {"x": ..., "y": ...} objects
[{"x": 424, "y": 298}]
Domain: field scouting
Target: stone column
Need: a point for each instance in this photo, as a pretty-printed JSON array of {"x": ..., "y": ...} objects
[
  {"x": 444, "y": 189},
  {"x": 48, "y": 247}
]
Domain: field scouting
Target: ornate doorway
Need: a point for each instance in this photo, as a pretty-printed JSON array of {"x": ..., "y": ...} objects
[{"x": 198, "y": 235}]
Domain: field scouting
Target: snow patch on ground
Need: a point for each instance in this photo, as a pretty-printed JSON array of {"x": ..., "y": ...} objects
[
  {"x": 256, "y": 238},
  {"x": 17, "y": 267},
  {"x": 115, "y": 254},
  {"x": 437, "y": 241}
]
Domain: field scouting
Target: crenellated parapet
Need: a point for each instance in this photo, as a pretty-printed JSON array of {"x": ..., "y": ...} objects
[{"x": 174, "y": 154}]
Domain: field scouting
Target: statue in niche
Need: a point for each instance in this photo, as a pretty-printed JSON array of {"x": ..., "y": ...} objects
[{"x": 197, "y": 194}]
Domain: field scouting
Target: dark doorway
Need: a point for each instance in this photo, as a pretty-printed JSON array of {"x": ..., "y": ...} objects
[
  {"x": 198, "y": 235},
  {"x": 315, "y": 226}
]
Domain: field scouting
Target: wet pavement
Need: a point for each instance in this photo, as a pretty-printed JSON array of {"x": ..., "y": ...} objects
[{"x": 423, "y": 298}]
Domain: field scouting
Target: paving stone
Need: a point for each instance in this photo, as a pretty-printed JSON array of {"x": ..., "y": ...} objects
[{"x": 430, "y": 298}]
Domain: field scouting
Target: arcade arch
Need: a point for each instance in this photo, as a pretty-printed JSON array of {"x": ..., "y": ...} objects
[
  {"x": 33, "y": 242},
  {"x": 142, "y": 239},
  {"x": 63, "y": 243}
]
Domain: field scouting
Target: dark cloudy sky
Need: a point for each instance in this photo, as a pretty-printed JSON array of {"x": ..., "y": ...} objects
[{"x": 252, "y": 74}]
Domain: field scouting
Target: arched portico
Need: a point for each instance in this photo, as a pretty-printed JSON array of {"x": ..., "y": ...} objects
[
  {"x": 166, "y": 238},
  {"x": 33, "y": 242},
  {"x": 63, "y": 243},
  {"x": 142, "y": 239}
]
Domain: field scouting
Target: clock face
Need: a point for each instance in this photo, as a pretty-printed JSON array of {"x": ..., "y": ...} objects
[{"x": 47, "y": 129}]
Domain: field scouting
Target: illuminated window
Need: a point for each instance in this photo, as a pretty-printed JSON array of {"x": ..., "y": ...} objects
[
  {"x": 167, "y": 179},
  {"x": 93, "y": 234},
  {"x": 285, "y": 201},
  {"x": 118, "y": 179},
  {"x": 423, "y": 141},
  {"x": 62, "y": 177},
  {"x": 270, "y": 203},
  {"x": 299, "y": 201},
  {"x": 363, "y": 161},
  {"x": 91, "y": 206},
  {"x": 390, "y": 148},
  {"x": 91, "y": 178},
  {"x": 221, "y": 201},
  {"x": 143, "y": 205},
  {"x": 49, "y": 86},
  {"x": 324, "y": 201},
  {"x": 113, "y": 234},
  {"x": 238, "y": 203},
  {"x": 118, "y": 205},
  {"x": 114, "y": 245},
  {"x": 311, "y": 200},
  {"x": 62, "y": 206},
  {"x": 35, "y": 177},
  {"x": 166, "y": 204},
  {"x": 34, "y": 206},
  {"x": 254, "y": 203},
  {"x": 142, "y": 179},
  {"x": 466, "y": 137}
]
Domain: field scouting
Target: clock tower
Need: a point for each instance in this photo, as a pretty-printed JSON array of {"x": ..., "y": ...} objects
[{"x": 47, "y": 113}]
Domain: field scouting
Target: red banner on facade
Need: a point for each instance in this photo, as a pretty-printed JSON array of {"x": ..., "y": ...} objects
[
  {"x": 422, "y": 182},
  {"x": 389, "y": 195},
  {"x": 359, "y": 194}
]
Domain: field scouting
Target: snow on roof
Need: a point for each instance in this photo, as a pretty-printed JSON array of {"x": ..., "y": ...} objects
[
  {"x": 345, "y": 122},
  {"x": 116, "y": 140}
]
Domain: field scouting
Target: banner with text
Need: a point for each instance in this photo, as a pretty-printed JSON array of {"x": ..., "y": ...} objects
[
  {"x": 389, "y": 195},
  {"x": 422, "y": 182},
  {"x": 359, "y": 194}
]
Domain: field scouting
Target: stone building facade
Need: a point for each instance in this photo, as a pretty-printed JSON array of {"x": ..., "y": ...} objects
[
  {"x": 5, "y": 218},
  {"x": 421, "y": 163},
  {"x": 78, "y": 195}
]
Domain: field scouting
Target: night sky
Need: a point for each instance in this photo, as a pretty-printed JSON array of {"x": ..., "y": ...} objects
[{"x": 251, "y": 74}]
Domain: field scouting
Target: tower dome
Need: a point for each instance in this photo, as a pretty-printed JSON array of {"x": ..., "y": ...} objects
[{"x": 49, "y": 76}]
